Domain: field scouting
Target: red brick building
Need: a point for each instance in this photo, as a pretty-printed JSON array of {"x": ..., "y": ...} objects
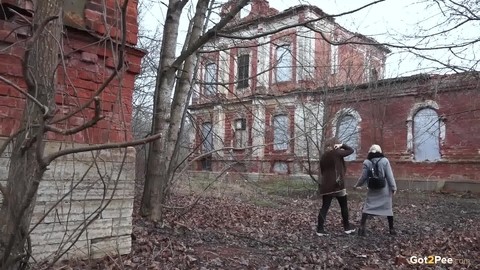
[
  {"x": 264, "y": 105},
  {"x": 91, "y": 43},
  {"x": 89, "y": 60}
]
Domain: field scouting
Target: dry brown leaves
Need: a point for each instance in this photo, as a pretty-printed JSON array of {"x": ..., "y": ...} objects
[{"x": 231, "y": 233}]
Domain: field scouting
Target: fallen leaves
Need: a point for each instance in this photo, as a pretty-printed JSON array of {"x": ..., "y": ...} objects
[{"x": 221, "y": 233}]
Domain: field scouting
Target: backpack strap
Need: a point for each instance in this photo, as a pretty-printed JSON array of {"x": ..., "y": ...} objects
[{"x": 375, "y": 166}]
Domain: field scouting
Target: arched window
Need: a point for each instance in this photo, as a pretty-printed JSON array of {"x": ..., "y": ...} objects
[
  {"x": 348, "y": 132},
  {"x": 426, "y": 135}
]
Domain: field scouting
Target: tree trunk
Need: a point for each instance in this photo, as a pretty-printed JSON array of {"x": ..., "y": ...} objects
[
  {"x": 161, "y": 111},
  {"x": 169, "y": 114},
  {"x": 178, "y": 106},
  {"x": 168, "y": 122},
  {"x": 26, "y": 166}
]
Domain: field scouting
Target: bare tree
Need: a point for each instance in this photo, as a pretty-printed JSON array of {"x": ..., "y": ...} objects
[
  {"x": 28, "y": 166},
  {"x": 444, "y": 39},
  {"x": 174, "y": 78}
]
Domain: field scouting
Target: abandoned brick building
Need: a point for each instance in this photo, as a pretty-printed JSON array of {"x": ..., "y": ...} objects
[
  {"x": 264, "y": 105},
  {"x": 92, "y": 35}
]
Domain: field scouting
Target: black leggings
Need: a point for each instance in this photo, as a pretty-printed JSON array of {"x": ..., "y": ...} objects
[
  {"x": 326, "y": 202},
  {"x": 365, "y": 216}
]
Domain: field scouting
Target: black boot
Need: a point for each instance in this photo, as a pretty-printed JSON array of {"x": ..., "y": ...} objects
[
  {"x": 363, "y": 221},
  {"x": 390, "y": 226}
]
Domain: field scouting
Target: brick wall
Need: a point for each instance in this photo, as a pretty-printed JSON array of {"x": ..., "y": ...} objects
[
  {"x": 263, "y": 59},
  {"x": 385, "y": 109},
  {"x": 384, "y": 121},
  {"x": 88, "y": 63},
  {"x": 100, "y": 180}
]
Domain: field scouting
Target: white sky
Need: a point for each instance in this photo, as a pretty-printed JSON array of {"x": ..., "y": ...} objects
[{"x": 387, "y": 21}]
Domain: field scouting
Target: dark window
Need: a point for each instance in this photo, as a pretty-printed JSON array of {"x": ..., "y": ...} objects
[
  {"x": 207, "y": 163},
  {"x": 242, "y": 70}
]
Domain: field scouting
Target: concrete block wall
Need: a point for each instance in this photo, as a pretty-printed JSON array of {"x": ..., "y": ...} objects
[{"x": 84, "y": 204}]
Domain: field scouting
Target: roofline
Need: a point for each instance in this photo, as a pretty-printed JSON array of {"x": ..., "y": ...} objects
[
  {"x": 299, "y": 8},
  {"x": 290, "y": 11}
]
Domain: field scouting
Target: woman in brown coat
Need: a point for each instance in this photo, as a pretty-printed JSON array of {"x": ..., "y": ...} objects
[{"x": 332, "y": 174}]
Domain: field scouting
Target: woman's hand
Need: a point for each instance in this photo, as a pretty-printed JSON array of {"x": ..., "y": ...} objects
[{"x": 338, "y": 145}]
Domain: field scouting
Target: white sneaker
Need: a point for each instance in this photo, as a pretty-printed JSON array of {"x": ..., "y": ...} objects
[
  {"x": 322, "y": 233},
  {"x": 350, "y": 230}
]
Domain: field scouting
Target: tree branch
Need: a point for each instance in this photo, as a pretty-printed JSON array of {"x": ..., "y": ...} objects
[
  {"x": 50, "y": 158},
  {"x": 97, "y": 117},
  {"x": 210, "y": 34},
  {"x": 27, "y": 95}
]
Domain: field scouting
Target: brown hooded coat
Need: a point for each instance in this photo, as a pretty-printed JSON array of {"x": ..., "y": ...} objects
[{"x": 332, "y": 166}]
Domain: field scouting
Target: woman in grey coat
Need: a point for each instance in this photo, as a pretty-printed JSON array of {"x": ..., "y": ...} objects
[{"x": 378, "y": 201}]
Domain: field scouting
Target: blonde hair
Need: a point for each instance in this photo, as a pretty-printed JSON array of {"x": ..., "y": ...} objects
[{"x": 375, "y": 148}]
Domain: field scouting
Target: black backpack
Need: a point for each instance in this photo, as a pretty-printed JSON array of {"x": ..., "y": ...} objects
[{"x": 375, "y": 181}]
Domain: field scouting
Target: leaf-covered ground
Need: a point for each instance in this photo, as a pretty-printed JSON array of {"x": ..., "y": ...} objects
[{"x": 277, "y": 232}]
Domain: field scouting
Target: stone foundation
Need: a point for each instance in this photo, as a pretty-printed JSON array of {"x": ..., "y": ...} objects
[{"x": 84, "y": 204}]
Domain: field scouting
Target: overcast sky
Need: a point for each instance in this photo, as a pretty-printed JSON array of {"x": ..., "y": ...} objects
[{"x": 389, "y": 21}]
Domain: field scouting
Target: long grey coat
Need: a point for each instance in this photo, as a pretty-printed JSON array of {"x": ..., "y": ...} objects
[{"x": 378, "y": 202}]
